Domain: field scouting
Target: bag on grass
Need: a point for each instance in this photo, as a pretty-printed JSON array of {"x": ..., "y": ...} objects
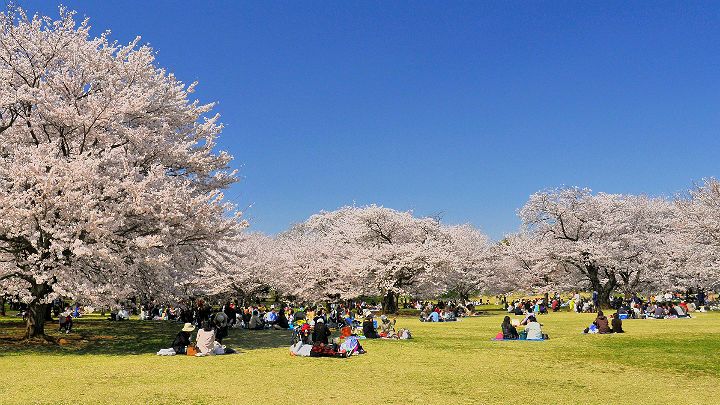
[
  {"x": 191, "y": 350},
  {"x": 218, "y": 348}
]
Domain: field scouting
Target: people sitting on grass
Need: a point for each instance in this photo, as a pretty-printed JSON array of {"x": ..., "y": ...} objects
[
  {"x": 533, "y": 330},
  {"x": 617, "y": 324},
  {"x": 433, "y": 316},
  {"x": 205, "y": 340},
  {"x": 282, "y": 322},
  {"x": 255, "y": 322},
  {"x": 321, "y": 332},
  {"x": 448, "y": 316},
  {"x": 659, "y": 312},
  {"x": 387, "y": 328},
  {"x": 220, "y": 322},
  {"x": 270, "y": 318},
  {"x": 182, "y": 339},
  {"x": 509, "y": 332},
  {"x": 65, "y": 320},
  {"x": 602, "y": 323},
  {"x": 368, "y": 327},
  {"x": 680, "y": 312}
]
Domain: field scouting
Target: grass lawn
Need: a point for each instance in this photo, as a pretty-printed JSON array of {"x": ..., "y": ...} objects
[{"x": 656, "y": 361}]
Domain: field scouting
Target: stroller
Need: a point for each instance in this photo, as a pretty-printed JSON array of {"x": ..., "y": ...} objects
[{"x": 301, "y": 333}]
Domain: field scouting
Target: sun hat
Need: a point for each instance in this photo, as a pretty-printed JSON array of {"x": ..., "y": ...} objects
[
  {"x": 320, "y": 320},
  {"x": 383, "y": 317},
  {"x": 188, "y": 327}
]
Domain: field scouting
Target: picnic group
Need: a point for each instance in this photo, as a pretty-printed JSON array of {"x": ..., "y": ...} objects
[{"x": 311, "y": 326}]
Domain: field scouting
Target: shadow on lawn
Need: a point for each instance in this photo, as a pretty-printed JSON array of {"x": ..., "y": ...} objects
[{"x": 96, "y": 336}]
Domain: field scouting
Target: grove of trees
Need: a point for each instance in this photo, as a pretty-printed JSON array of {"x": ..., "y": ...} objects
[{"x": 111, "y": 188}]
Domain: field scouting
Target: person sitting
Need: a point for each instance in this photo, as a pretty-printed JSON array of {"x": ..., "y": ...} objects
[
  {"x": 205, "y": 340},
  {"x": 321, "y": 333},
  {"x": 282, "y": 321},
  {"x": 182, "y": 339},
  {"x": 255, "y": 322},
  {"x": 387, "y": 328},
  {"x": 220, "y": 321},
  {"x": 368, "y": 327},
  {"x": 533, "y": 329},
  {"x": 65, "y": 320},
  {"x": 434, "y": 316},
  {"x": 123, "y": 315},
  {"x": 680, "y": 311},
  {"x": 602, "y": 323},
  {"x": 320, "y": 314},
  {"x": 659, "y": 312},
  {"x": 617, "y": 324},
  {"x": 508, "y": 330},
  {"x": 527, "y": 318},
  {"x": 271, "y": 317},
  {"x": 448, "y": 316}
]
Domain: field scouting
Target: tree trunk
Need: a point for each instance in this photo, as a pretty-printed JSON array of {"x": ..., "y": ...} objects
[
  {"x": 389, "y": 303},
  {"x": 35, "y": 320},
  {"x": 604, "y": 290},
  {"x": 2, "y": 306}
]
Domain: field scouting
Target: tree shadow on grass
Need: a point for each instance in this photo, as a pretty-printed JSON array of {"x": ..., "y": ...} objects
[{"x": 102, "y": 337}]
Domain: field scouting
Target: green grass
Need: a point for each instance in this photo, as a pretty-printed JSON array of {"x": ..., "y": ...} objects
[{"x": 656, "y": 361}]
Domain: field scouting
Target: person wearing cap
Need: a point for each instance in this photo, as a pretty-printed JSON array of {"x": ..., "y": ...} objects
[
  {"x": 182, "y": 339},
  {"x": 368, "y": 327}
]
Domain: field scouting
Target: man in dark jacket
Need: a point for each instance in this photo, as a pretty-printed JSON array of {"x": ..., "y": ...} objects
[{"x": 322, "y": 333}]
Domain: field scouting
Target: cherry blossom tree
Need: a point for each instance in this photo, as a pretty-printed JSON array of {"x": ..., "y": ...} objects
[
  {"x": 697, "y": 245},
  {"x": 109, "y": 178},
  {"x": 472, "y": 264},
  {"x": 356, "y": 251},
  {"x": 242, "y": 274},
  {"x": 521, "y": 266},
  {"x": 611, "y": 241}
]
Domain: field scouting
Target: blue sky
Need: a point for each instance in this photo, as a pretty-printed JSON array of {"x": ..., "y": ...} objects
[{"x": 459, "y": 108}]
